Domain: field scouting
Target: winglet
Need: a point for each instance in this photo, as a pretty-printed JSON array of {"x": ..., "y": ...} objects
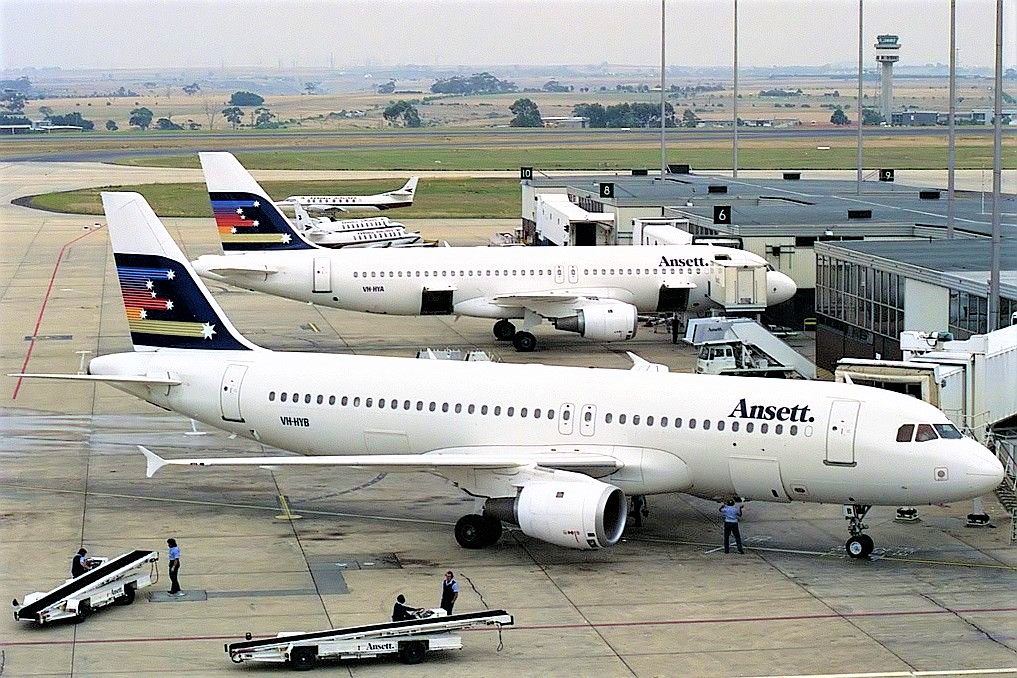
[
  {"x": 155, "y": 462},
  {"x": 642, "y": 365}
]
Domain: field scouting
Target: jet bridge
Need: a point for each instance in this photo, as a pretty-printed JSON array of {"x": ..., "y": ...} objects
[
  {"x": 754, "y": 349},
  {"x": 410, "y": 639}
]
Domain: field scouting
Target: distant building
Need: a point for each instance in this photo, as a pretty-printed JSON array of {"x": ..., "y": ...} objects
[
  {"x": 566, "y": 121},
  {"x": 914, "y": 118},
  {"x": 887, "y": 56}
]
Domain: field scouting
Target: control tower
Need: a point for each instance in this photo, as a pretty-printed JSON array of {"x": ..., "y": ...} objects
[{"x": 887, "y": 56}]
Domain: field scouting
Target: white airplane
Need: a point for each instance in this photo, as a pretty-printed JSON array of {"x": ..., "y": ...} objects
[
  {"x": 553, "y": 450},
  {"x": 402, "y": 197},
  {"x": 597, "y": 292},
  {"x": 369, "y": 232}
]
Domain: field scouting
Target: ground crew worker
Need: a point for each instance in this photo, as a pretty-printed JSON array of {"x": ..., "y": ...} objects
[
  {"x": 731, "y": 515},
  {"x": 675, "y": 328},
  {"x": 79, "y": 563},
  {"x": 174, "y": 567},
  {"x": 449, "y": 592},
  {"x": 401, "y": 611}
]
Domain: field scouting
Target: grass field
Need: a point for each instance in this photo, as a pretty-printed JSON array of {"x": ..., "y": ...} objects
[
  {"x": 901, "y": 154},
  {"x": 445, "y": 198}
]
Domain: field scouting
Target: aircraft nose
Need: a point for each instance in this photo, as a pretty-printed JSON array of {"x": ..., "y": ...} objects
[
  {"x": 779, "y": 287},
  {"x": 984, "y": 472}
]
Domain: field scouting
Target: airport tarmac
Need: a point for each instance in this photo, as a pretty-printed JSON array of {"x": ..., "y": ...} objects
[{"x": 666, "y": 601}]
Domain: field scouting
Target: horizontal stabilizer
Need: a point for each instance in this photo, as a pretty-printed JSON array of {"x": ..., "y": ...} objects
[{"x": 106, "y": 378}]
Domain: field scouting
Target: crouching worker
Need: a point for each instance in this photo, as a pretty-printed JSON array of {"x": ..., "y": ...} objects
[{"x": 401, "y": 611}]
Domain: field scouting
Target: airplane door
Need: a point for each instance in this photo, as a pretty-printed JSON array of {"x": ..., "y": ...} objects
[
  {"x": 588, "y": 419},
  {"x": 840, "y": 432},
  {"x": 573, "y": 274},
  {"x": 229, "y": 394},
  {"x": 565, "y": 422},
  {"x": 559, "y": 274},
  {"x": 322, "y": 275},
  {"x": 755, "y": 478}
]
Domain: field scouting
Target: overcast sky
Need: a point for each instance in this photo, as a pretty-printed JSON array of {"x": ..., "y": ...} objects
[{"x": 160, "y": 33}]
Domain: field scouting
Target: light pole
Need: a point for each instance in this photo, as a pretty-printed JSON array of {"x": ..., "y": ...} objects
[
  {"x": 951, "y": 161},
  {"x": 663, "y": 96},
  {"x": 997, "y": 174},
  {"x": 858, "y": 175},
  {"x": 734, "y": 98}
]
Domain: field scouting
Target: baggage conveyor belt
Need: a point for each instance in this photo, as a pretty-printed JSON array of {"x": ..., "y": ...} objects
[{"x": 29, "y": 611}]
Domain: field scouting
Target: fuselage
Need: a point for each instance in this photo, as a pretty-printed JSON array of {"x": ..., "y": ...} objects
[
  {"x": 761, "y": 439},
  {"x": 481, "y": 279}
]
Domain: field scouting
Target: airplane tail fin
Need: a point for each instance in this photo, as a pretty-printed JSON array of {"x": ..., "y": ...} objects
[
  {"x": 166, "y": 303},
  {"x": 247, "y": 218},
  {"x": 410, "y": 187}
]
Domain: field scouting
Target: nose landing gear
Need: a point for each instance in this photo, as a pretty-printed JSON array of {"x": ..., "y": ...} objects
[{"x": 860, "y": 545}]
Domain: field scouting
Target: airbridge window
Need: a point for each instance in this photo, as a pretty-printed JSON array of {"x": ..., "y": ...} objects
[
  {"x": 925, "y": 433},
  {"x": 905, "y": 433}
]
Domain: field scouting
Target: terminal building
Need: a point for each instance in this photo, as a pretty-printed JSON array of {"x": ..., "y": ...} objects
[
  {"x": 868, "y": 292},
  {"x": 781, "y": 220}
]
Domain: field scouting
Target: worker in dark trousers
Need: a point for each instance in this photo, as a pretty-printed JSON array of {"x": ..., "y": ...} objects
[
  {"x": 675, "y": 328},
  {"x": 731, "y": 515},
  {"x": 449, "y": 592},
  {"x": 174, "y": 567},
  {"x": 79, "y": 563},
  {"x": 401, "y": 611}
]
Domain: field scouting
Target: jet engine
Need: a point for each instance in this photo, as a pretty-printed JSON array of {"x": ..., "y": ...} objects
[
  {"x": 583, "y": 515},
  {"x": 602, "y": 321}
]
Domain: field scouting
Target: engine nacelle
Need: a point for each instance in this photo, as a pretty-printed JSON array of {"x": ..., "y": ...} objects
[
  {"x": 602, "y": 321},
  {"x": 575, "y": 514}
]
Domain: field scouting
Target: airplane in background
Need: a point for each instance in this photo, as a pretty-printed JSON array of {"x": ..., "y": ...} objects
[
  {"x": 597, "y": 292},
  {"x": 369, "y": 232},
  {"x": 401, "y": 197},
  {"x": 553, "y": 450}
]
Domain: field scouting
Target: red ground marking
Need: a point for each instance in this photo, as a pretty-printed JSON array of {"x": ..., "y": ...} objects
[
  {"x": 549, "y": 627},
  {"x": 42, "y": 309}
]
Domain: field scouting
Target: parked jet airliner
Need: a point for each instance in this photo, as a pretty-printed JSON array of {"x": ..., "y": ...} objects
[
  {"x": 553, "y": 450},
  {"x": 596, "y": 292},
  {"x": 401, "y": 197}
]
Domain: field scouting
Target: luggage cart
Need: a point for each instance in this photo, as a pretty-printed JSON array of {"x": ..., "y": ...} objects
[
  {"x": 411, "y": 640},
  {"x": 114, "y": 580}
]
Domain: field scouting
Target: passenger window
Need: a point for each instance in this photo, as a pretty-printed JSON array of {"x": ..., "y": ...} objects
[
  {"x": 406, "y": 404},
  {"x": 420, "y": 405},
  {"x": 735, "y": 426},
  {"x": 550, "y": 414},
  {"x": 444, "y": 407},
  {"x": 947, "y": 431},
  {"x": 677, "y": 422},
  {"x": 692, "y": 423},
  {"x": 331, "y": 400},
  {"x": 663, "y": 421},
  {"x": 566, "y": 415},
  {"x": 621, "y": 418},
  {"x": 588, "y": 416},
  {"x": 483, "y": 409},
  {"x": 778, "y": 429},
  {"x": 536, "y": 413},
  {"x": 905, "y": 433},
  {"x": 368, "y": 402},
  {"x": 608, "y": 417},
  {"x": 356, "y": 401},
  {"x": 459, "y": 408},
  {"x": 271, "y": 396},
  {"x": 793, "y": 430},
  {"x": 635, "y": 418},
  {"x": 925, "y": 433},
  {"x": 720, "y": 425},
  {"x": 381, "y": 403},
  {"x": 283, "y": 396},
  {"x": 510, "y": 411},
  {"x": 763, "y": 428},
  {"x": 706, "y": 424},
  {"x": 295, "y": 397},
  {"x": 395, "y": 404},
  {"x": 321, "y": 399},
  {"x": 307, "y": 398},
  {"x": 749, "y": 426},
  {"x": 649, "y": 421},
  {"x": 522, "y": 412},
  {"x": 345, "y": 401},
  {"x": 497, "y": 410},
  {"x": 471, "y": 409},
  {"x": 432, "y": 407}
]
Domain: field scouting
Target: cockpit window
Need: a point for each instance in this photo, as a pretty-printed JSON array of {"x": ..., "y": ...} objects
[
  {"x": 905, "y": 433},
  {"x": 925, "y": 432},
  {"x": 948, "y": 431}
]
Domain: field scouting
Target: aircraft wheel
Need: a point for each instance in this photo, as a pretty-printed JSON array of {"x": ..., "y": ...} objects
[
  {"x": 859, "y": 546},
  {"x": 472, "y": 532},
  {"x": 504, "y": 330},
  {"x": 524, "y": 342},
  {"x": 303, "y": 658}
]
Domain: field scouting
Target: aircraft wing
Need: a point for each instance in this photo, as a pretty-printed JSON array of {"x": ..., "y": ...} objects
[
  {"x": 106, "y": 378},
  {"x": 555, "y": 304},
  {"x": 240, "y": 268},
  {"x": 586, "y": 458}
]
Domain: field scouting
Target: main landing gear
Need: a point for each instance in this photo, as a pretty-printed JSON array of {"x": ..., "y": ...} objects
[
  {"x": 476, "y": 531},
  {"x": 860, "y": 545},
  {"x": 523, "y": 341}
]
